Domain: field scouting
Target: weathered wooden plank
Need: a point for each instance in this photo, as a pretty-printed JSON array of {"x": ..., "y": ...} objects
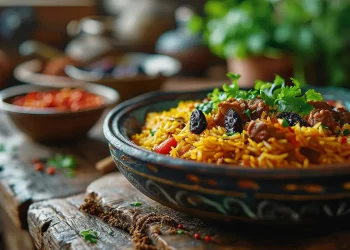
[
  {"x": 56, "y": 224},
  {"x": 20, "y": 185},
  {"x": 153, "y": 226}
]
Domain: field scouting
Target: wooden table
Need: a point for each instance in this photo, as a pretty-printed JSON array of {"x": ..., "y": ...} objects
[
  {"x": 21, "y": 185},
  {"x": 56, "y": 224}
]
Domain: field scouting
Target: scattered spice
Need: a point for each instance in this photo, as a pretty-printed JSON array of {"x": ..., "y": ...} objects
[
  {"x": 207, "y": 238},
  {"x": 136, "y": 204},
  {"x": 51, "y": 170},
  {"x": 89, "y": 235},
  {"x": 197, "y": 236},
  {"x": 180, "y": 231},
  {"x": 180, "y": 226},
  {"x": 39, "y": 166}
]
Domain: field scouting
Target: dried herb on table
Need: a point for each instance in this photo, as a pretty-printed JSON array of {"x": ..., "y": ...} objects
[
  {"x": 136, "y": 204},
  {"x": 89, "y": 235},
  {"x": 66, "y": 162}
]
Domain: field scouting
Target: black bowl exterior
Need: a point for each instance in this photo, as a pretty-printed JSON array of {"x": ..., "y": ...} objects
[{"x": 222, "y": 192}]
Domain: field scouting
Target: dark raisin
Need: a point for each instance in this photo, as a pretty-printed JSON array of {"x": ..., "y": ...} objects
[
  {"x": 292, "y": 118},
  {"x": 198, "y": 122},
  {"x": 233, "y": 122}
]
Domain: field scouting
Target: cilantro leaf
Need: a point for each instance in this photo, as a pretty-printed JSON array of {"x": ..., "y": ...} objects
[
  {"x": 312, "y": 95},
  {"x": 152, "y": 132},
  {"x": 324, "y": 127},
  {"x": 346, "y": 132},
  {"x": 285, "y": 123},
  {"x": 136, "y": 204},
  {"x": 247, "y": 112},
  {"x": 89, "y": 235}
]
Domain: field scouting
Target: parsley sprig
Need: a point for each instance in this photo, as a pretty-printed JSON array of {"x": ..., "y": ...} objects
[
  {"x": 277, "y": 94},
  {"x": 89, "y": 235},
  {"x": 67, "y": 162}
]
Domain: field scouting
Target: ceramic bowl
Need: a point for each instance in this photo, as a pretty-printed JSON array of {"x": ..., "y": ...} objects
[
  {"x": 29, "y": 72},
  {"x": 223, "y": 192},
  {"x": 50, "y": 125},
  {"x": 157, "y": 69}
]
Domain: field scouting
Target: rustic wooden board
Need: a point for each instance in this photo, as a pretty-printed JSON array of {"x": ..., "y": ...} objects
[
  {"x": 48, "y": 225},
  {"x": 21, "y": 185}
]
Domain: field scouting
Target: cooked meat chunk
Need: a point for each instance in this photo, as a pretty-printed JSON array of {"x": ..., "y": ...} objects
[
  {"x": 321, "y": 105},
  {"x": 311, "y": 154},
  {"x": 345, "y": 118},
  {"x": 336, "y": 112},
  {"x": 237, "y": 105},
  {"x": 257, "y": 107},
  {"x": 323, "y": 116},
  {"x": 260, "y": 131}
]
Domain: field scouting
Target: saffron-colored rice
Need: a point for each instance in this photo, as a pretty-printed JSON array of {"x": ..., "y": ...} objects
[{"x": 213, "y": 145}]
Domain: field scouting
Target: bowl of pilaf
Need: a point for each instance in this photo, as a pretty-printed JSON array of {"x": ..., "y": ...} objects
[{"x": 276, "y": 153}]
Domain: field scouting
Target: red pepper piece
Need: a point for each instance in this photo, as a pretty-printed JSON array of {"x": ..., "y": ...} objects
[
  {"x": 39, "y": 166},
  {"x": 197, "y": 236},
  {"x": 343, "y": 140},
  {"x": 51, "y": 170},
  {"x": 207, "y": 238},
  {"x": 165, "y": 147}
]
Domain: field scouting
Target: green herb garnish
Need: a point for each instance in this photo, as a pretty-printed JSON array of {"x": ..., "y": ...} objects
[
  {"x": 232, "y": 133},
  {"x": 278, "y": 95},
  {"x": 180, "y": 231},
  {"x": 346, "y": 132},
  {"x": 285, "y": 123},
  {"x": 247, "y": 112},
  {"x": 152, "y": 132},
  {"x": 62, "y": 161},
  {"x": 324, "y": 127},
  {"x": 228, "y": 134},
  {"x": 2, "y": 148},
  {"x": 67, "y": 162},
  {"x": 89, "y": 235},
  {"x": 136, "y": 204}
]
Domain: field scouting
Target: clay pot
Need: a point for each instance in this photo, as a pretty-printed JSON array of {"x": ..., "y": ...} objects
[{"x": 260, "y": 68}]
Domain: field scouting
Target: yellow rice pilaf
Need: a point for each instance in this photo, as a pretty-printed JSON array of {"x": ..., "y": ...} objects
[{"x": 213, "y": 145}]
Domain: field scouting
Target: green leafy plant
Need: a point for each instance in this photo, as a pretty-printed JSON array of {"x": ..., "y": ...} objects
[
  {"x": 277, "y": 94},
  {"x": 309, "y": 31}
]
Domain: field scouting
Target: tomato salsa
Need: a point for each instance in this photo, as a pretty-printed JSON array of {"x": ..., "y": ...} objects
[{"x": 64, "y": 99}]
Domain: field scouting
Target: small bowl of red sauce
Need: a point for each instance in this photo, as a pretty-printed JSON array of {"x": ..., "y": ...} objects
[{"x": 48, "y": 114}]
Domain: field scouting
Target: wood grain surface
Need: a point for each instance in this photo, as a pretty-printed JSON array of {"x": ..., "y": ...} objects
[
  {"x": 56, "y": 224},
  {"x": 21, "y": 185}
]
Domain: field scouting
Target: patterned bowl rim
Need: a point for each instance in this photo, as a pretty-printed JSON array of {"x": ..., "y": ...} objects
[{"x": 117, "y": 139}]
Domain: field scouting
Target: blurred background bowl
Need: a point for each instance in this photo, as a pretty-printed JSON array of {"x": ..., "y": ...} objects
[
  {"x": 131, "y": 74},
  {"x": 30, "y": 72},
  {"x": 49, "y": 124}
]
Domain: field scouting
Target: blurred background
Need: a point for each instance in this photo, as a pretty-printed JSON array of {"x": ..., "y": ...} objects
[{"x": 308, "y": 40}]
